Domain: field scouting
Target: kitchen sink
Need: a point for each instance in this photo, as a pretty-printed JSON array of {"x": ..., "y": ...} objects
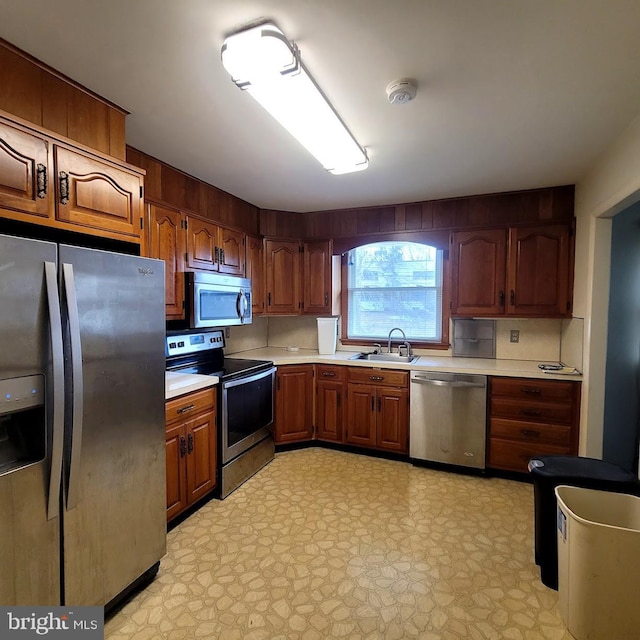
[{"x": 384, "y": 357}]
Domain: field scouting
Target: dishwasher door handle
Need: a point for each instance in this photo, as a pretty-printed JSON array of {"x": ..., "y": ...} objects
[{"x": 448, "y": 383}]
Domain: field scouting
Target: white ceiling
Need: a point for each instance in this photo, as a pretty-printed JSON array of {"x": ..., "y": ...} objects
[{"x": 513, "y": 94}]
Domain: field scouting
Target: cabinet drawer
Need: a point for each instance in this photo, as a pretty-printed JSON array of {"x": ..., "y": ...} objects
[
  {"x": 531, "y": 389},
  {"x": 379, "y": 376},
  {"x": 531, "y": 411},
  {"x": 515, "y": 456},
  {"x": 190, "y": 405},
  {"x": 531, "y": 432},
  {"x": 329, "y": 372}
]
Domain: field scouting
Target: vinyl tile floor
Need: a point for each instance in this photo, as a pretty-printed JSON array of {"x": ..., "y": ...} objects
[{"x": 324, "y": 544}]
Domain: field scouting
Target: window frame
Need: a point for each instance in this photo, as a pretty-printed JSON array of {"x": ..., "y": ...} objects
[{"x": 446, "y": 299}]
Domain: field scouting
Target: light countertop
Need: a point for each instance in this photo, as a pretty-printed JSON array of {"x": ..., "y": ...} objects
[
  {"x": 177, "y": 384},
  {"x": 483, "y": 366}
]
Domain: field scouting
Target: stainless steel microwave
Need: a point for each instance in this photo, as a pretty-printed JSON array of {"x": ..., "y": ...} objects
[{"x": 218, "y": 301}]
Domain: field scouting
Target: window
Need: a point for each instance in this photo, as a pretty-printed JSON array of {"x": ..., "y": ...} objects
[{"x": 394, "y": 284}]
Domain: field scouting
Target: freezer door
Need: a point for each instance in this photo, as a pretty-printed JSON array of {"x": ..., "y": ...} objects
[
  {"x": 29, "y": 535},
  {"x": 114, "y": 472}
]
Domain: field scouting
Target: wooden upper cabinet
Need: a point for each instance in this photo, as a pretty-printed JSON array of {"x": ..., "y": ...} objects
[
  {"x": 538, "y": 271},
  {"x": 316, "y": 277},
  {"x": 231, "y": 259},
  {"x": 282, "y": 271},
  {"x": 166, "y": 241},
  {"x": 94, "y": 193},
  {"x": 202, "y": 250},
  {"x": 214, "y": 248},
  {"x": 527, "y": 276},
  {"x": 255, "y": 272},
  {"x": 478, "y": 260},
  {"x": 24, "y": 174}
]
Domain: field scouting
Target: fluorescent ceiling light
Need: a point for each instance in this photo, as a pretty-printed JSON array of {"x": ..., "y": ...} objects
[{"x": 264, "y": 63}]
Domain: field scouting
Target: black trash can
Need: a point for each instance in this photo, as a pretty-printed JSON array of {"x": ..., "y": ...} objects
[{"x": 547, "y": 473}]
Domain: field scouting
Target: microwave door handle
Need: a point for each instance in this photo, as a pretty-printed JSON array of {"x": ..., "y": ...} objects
[
  {"x": 77, "y": 388},
  {"x": 241, "y": 305},
  {"x": 57, "y": 361}
]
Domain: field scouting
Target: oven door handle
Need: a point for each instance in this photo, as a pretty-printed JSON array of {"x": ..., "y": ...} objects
[{"x": 246, "y": 379}]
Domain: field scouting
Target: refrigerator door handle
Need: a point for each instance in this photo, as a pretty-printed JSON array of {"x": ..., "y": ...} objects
[
  {"x": 77, "y": 385},
  {"x": 57, "y": 362}
]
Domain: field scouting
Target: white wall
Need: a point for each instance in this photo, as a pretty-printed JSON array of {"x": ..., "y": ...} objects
[{"x": 611, "y": 185}]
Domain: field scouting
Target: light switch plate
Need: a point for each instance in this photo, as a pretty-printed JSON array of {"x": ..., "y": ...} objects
[{"x": 514, "y": 335}]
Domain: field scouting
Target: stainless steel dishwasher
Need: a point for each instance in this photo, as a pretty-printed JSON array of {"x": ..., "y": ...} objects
[{"x": 448, "y": 418}]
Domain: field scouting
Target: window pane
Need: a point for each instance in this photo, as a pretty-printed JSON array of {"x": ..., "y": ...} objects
[{"x": 395, "y": 284}]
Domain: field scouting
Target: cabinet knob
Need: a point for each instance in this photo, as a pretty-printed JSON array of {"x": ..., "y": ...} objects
[
  {"x": 501, "y": 298},
  {"x": 512, "y": 298}
]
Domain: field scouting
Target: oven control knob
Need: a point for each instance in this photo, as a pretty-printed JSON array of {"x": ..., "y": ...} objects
[
  {"x": 181, "y": 344},
  {"x": 172, "y": 345}
]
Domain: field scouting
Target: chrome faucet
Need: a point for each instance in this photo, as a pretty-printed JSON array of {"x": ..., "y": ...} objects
[
  {"x": 378, "y": 347},
  {"x": 389, "y": 341}
]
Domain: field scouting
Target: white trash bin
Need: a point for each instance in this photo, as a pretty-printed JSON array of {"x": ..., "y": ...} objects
[
  {"x": 327, "y": 335},
  {"x": 598, "y": 563}
]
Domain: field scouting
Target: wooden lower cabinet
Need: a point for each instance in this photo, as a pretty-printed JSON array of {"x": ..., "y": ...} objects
[
  {"x": 378, "y": 409},
  {"x": 191, "y": 449},
  {"x": 293, "y": 404},
  {"x": 331, "y": 402},
  {"x": 530, "y": 417}
]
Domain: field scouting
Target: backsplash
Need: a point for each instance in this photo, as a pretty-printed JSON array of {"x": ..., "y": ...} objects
[{"x": 542, "y": 340}]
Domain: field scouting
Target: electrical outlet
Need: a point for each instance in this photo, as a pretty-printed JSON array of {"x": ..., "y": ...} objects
[
  {"x": 227, "y": 333},
  {"x": 514, "y": 335}
]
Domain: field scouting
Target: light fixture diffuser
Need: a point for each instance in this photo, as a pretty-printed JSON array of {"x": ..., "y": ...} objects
[{"x": 264, "y": 63}]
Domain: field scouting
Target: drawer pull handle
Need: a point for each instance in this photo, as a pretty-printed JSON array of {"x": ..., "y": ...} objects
[
  {"x": 531, "y": 412},
  {"x": 531, "y": 390},
  {"x": 183, "y": 446},
  {"x": 190, "y": 441},
  {"x": 376, "y": 378},
  {"x": 530, "y": 433},
  {"x": 328, "y": 374},
  {"x": 64, "y": 187},
  {"x": 189, "y": 407}
]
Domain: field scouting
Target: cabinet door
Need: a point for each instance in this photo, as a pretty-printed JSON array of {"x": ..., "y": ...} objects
[
  {"x": 95, "y": 194},
  {"x": 329, "y": 410},
  {"x": 201, "y": 456},
  {"x": 202, "y": 247},
  {"x": 294, "y": 404},
  {"x": 167, "y": 242},
  {"x": 255, "y": 272},
  {"x": 361, "y": 415},
  {"x": 230, "y": 251},
  {"x": 392, "y": 419},
  {"x": 176, "y": 470},
  {"x": 478, "y": 266},
  {"x": 282, "y": 261},
  {"x": 24, "y": 174},
  {"x": 539, "y": 271},
  {"x": 316, "y": 282}
]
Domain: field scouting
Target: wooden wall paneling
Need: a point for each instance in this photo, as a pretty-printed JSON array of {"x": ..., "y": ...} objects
[
  {"x": 21, "y": 92},
  {"x": 173, "y": 186},
  {"x": 368, "y": 221},
  {"x": 87, "y": 120},
  {"x": 213, "y": 203},
  {"x": 117, "y": 135},
  {"x": 388, "y": 219},
  {"x": 413, "y": 217},
  {"x": 153, "y": 179},
  {"x": 54, "y": 104},
  {"x": 563, "y": 199},
  {"x": 191, "y": 195}
]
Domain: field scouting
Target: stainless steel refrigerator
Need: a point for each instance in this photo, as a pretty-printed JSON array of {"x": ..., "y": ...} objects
[{"x": 82, "y": 460}]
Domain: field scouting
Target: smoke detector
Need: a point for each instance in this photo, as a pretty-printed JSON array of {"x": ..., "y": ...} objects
[{"x": 402, "y": 91}]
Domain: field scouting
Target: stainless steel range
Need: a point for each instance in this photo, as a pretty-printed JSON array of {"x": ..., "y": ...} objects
[{"x": 245, "y": 402}]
